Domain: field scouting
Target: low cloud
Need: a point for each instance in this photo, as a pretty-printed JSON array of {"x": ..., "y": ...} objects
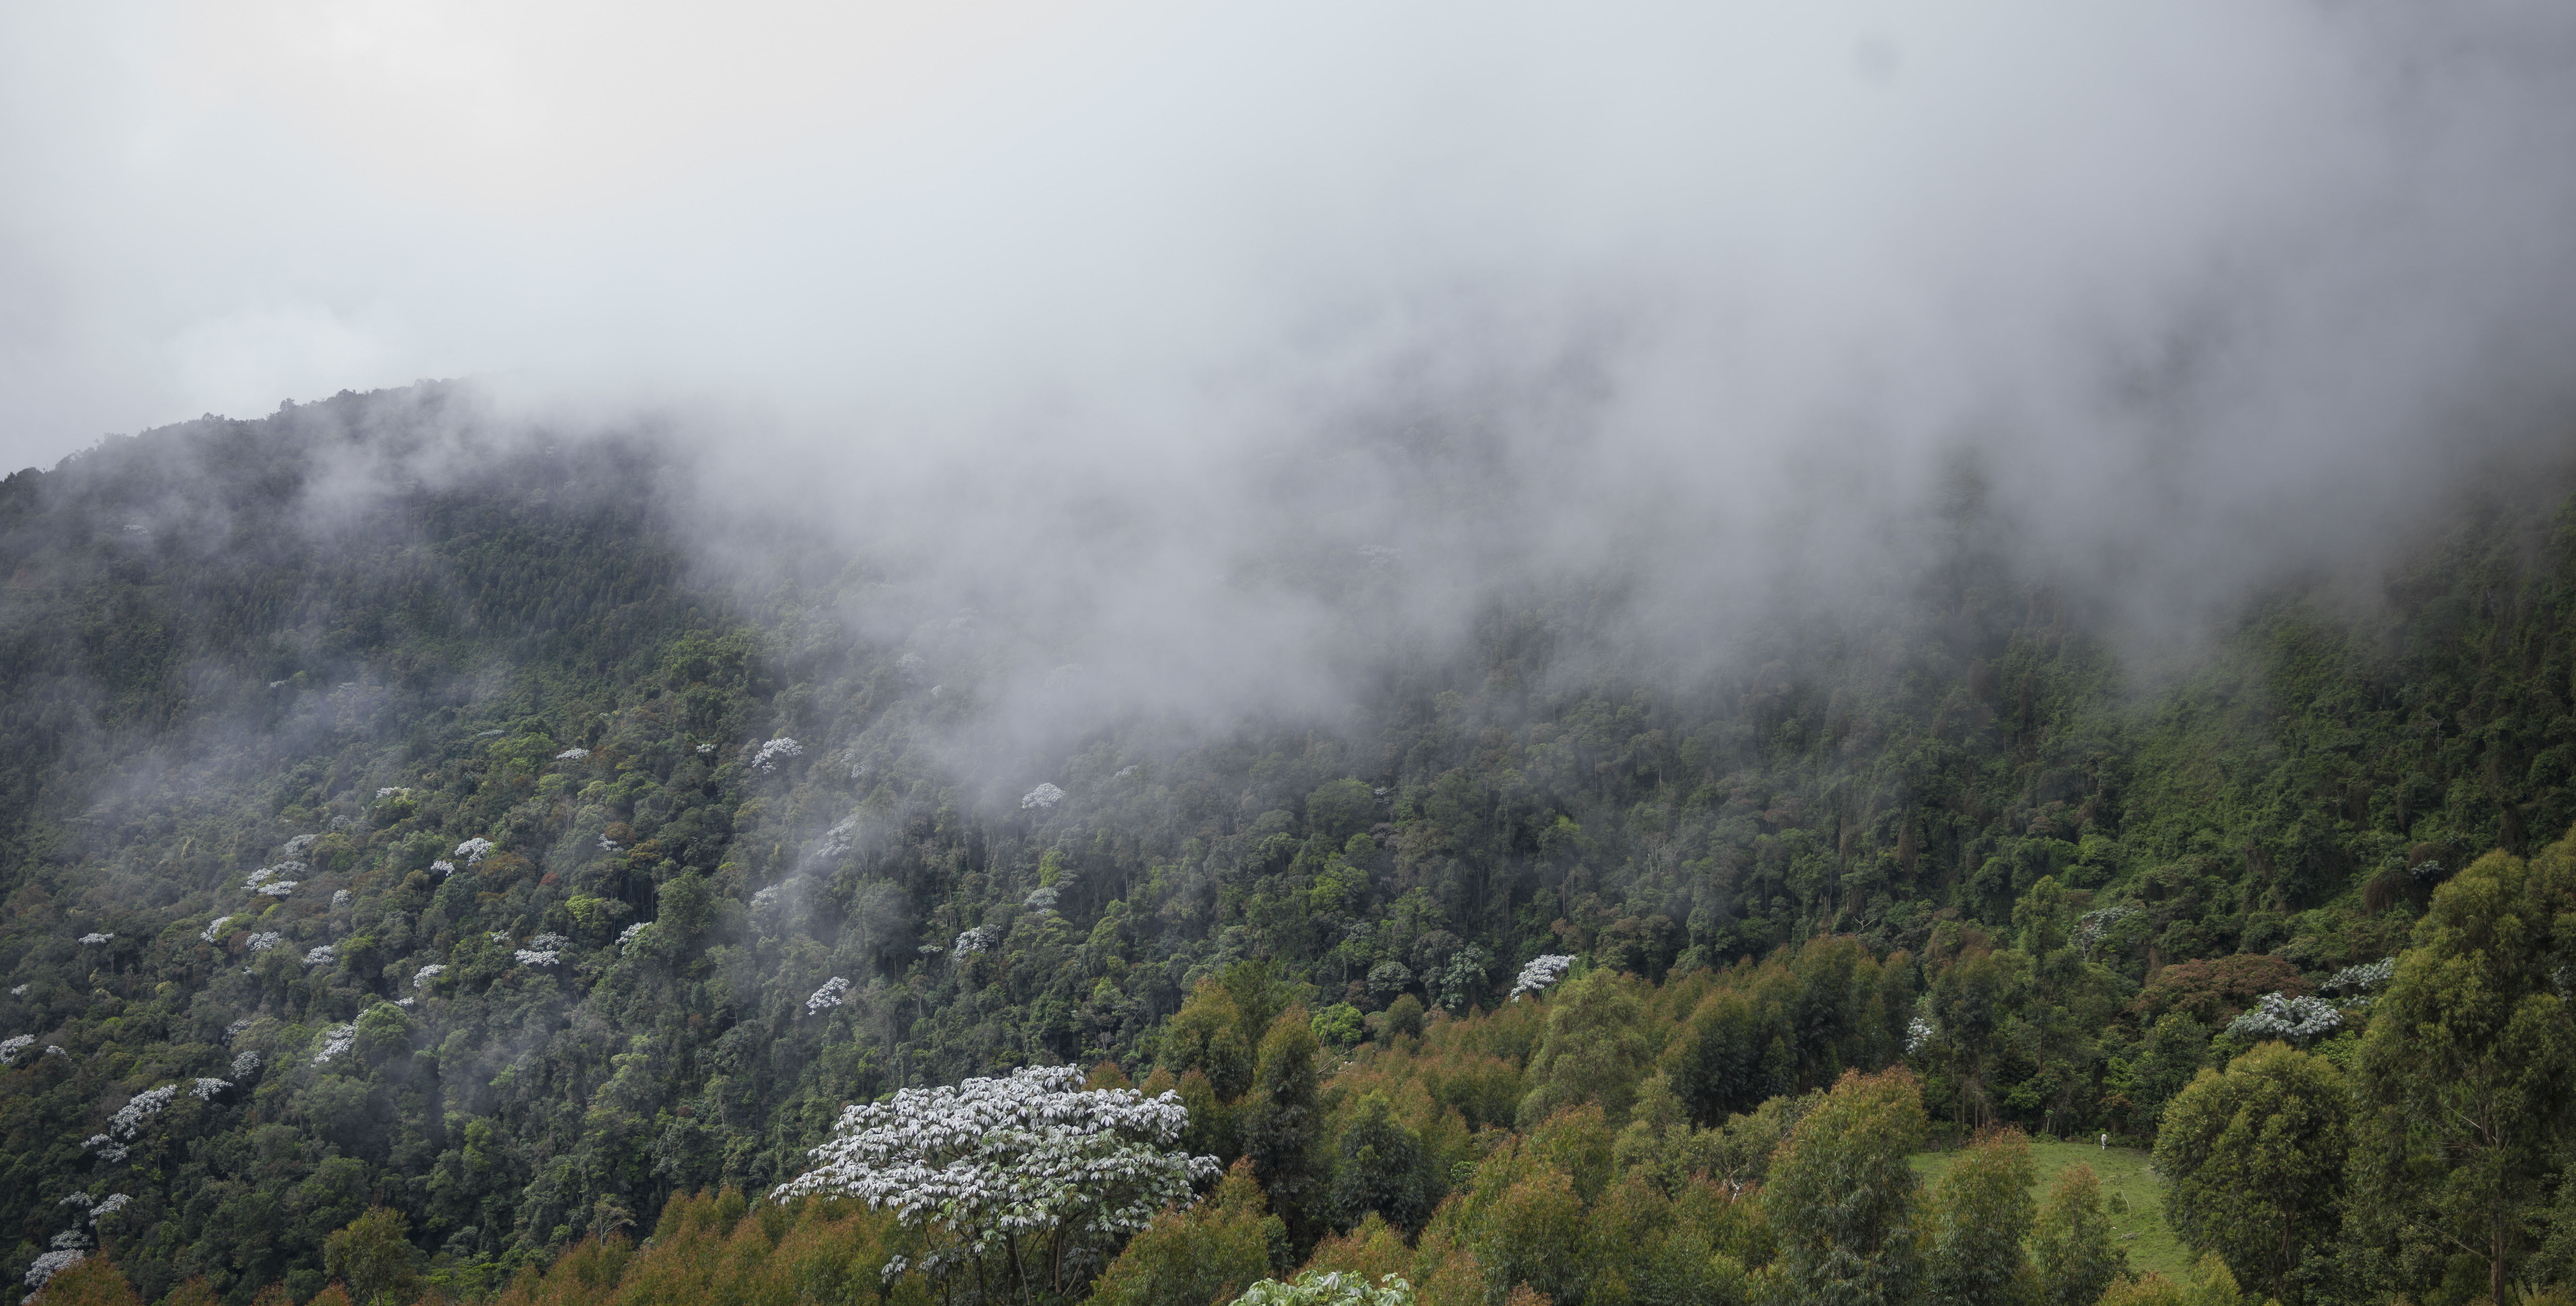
[{"x": 1202, "y": 352}]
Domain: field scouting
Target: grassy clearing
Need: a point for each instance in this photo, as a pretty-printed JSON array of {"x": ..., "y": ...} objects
[{"x": 2123, "y": 1171}]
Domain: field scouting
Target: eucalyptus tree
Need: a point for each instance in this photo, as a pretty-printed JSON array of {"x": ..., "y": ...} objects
[{"x": 2471, "y": 1059}]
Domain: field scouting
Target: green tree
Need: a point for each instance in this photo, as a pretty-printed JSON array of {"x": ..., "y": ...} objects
[
  {"x": 1208, "y": 1252},
  {"x": 1382, "y": 1168},
  {"x": 2173, "y": 1051},
  {"x": 2255, "y": 1158},
  {"x": 1841, "y": 1197},
  {"x": 2471, "y": 1056},
  {"x": 1596, "y": 1049},
  {"x": 1339, "y": 809},
  {"x": 374, "y": 1255},
  {"x": 1978, "y": 1216},
  {"x": 2072, "y": 1243},
  {"x": 1404, "y": 1016},
  {"x": 1283, "y": 1123},
  {"x": 1207, "y": 1035},
  {"x": 1718, "y": 1062}
]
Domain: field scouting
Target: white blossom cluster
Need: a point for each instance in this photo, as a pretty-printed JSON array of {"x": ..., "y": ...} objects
[
  {"x": 572, "y": 755},
  {"x": 538, "y": 956},
  {"x": 406, "y": 1002},
  {"x": 213, "y": 928},
  {"x": 767, "y": 898},
  {"x": 301, "y": 842},
  {"x": 52, "y": 1263},
  {"x": 390, "y": 790},
  {"x": 128, "y": 1120},
  {"x": 246, "y": 1064},
  {"x": 94, "y": 938},
  {"x": 497, "y": 936},
  {"x": 706, "y": 748},
  {"x": 106, "y": 1147},
  {"x": 19, "y": 991},
  {"x": 838, "y": 839},
  {"x": 322, "y": 956},
  {"x": 236, "y": 1027},
  {"x": 276, "y": 888},
  {"x": 828, "y": 996},
  {"x": 266, "y": 873},
  {"x": 626, "y": 938},
  {"x": 340, "y": 897},
  {"x": 1041, "y": 898},
  {"x": 1338, "y": 1288},
  {"x": 11, "y": 1047},
  {"x": 443, "y": 866},
  {"x": 2361, "y": 979},
  {"x": 336, "y": 1040},
  {"x": 208, "y": 1086},
  {"x": 1920, "y": 1034},
  {"x": 2092, "y": 925},
  {"x": 109, "y": 1205},
  {"x": 1541, "y": 974},
  {"x": 976, "y": 940},
  {"x": 55, "y": 1050},
  {"x": 606, "y": 844},
  {"x": 1001, "y": 1159},
  {"x": 1044, "y": 796},
  {"x": 81, "y": 1200},
  {"x": 2298, "y": 1019},
  {"x": 775, "y": 751},
  {"x": 265, "y": 940},
  {"x": 423, "y": 977},
  {"x": 474, "y": 851},
  {"x": 549, "y": 941}
]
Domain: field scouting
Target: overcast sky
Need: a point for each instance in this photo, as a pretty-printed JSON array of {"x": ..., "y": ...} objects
[{"x": 2200, "y": 281}]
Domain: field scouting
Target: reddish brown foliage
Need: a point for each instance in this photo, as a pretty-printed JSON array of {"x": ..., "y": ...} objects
[{"x": 2213, "y": 990}]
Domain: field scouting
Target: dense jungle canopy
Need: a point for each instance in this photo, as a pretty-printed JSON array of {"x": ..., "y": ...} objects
[{"x": 490, "y": 856}]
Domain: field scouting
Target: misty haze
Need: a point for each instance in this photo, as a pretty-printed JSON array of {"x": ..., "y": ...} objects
[{"x": 1426, "y": 655}]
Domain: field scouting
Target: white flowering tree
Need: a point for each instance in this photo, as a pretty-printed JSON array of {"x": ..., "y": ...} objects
[
  {"x": 1027, "y": 1182},
  {"x": 1335, "y": 1289},
  {"x": 2301, "y": 1020},
  {"x": 828, "y": 996},
  {"x": 1540, "y": 974}
]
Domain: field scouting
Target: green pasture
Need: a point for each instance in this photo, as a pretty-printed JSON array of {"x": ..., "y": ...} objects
[{"x": 2122, "y": 1170}]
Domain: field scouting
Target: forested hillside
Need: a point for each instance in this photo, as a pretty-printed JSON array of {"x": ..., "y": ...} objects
[{"x": 389, "y": 819}]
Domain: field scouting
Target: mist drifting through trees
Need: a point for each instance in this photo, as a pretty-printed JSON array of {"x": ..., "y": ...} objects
[{"x": 1449, "y": 655}]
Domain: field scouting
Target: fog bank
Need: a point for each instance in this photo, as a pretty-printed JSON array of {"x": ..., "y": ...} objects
[{"x": 1155, "y": 336}]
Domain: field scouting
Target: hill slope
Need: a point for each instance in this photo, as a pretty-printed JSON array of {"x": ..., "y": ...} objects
[{"x": 487, "y": 710}]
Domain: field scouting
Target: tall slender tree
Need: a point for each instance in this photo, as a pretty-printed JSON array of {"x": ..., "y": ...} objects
[
  {"x": 1979, "y": 1214},
  {"x": 2072, "y": 1246},
  {"x": 1842, "y": 1197}
]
